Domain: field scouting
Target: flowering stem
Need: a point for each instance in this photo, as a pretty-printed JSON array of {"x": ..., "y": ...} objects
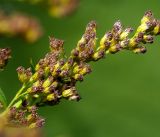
[
  {"x": 17, "y": 96},
  {"x": 55, "y": 76},
  {"x": 5, "y": 112},
  {"x": 13, "y": 100}
]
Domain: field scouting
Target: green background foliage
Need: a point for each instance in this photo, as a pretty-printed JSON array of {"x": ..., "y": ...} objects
[{"x": 121, "y": 98}]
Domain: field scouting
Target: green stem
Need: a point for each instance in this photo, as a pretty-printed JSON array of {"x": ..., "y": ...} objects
[
  {"x": 13, "y": 100},
  {"x": 16, "y": 97}
]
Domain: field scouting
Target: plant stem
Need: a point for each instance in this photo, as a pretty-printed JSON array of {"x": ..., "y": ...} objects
[
  {"x": 13, "y": 100},
  {"x": 16, "y": 97}
]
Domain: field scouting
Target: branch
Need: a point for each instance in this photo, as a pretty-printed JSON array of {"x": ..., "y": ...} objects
[{"x": 55, "y": 76}]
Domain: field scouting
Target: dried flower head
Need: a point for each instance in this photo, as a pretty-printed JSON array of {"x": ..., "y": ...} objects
[{"x": 5, "y": 54}]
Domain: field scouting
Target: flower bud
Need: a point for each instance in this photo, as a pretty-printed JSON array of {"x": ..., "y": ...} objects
[
  {"x": 75, "y": 97},
  {"x": 41, "y": 64},
  {"x": 124, "y": 43},
  {"x": 64, "y": 73},
  {"x": 51, "y": 88},
  {"x": 5, "y": 54},
  {"x": 145, "y": 27},
  {"x": 86, "y": 69},
  {"x": 47, "y": 82},
  {"x": 71, "y": 94},
  {"x": 51, "y": 97},
  {"x": 78, "y": 77},
  {"x": 125, "y": 33},
  {"x": 147, "y": 17},
  {"x": 33, "y": 125},
  {"x": 141, "y": 49},
  {"x": 133, "y": 42},
  {"x": 115, "y": 49},
  {"x": 36, "y": 95},
  {"x": 105, "y": 41},
  {"x": 40, "y": 122},
  {"x": 156, "y": 29},
  {"x": 56, "y": 70},
  {"x": 74, "y": 53},
  {"x": 37, "y": 75},
  {"x": 24, "y": 75},
  {"x": 56, "y": 44},
  {"x": 98, "y": 55},
  {"x": 148, "y": 38},
  {"x": 36, "y": 89},
  {"x": 76, "y": 68},
  {"x": 117, "y": 28}
]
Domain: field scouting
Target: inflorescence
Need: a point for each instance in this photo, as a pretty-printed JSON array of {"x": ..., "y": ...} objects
[
  {"x": 5, "y": 55},
  {"x": 57, "y": 8},
  {"x": 17, "y": 24},
  {"x": 55, "y": 76}
]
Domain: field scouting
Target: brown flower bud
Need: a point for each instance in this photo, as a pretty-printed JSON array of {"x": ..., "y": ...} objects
[
  {"x": 5, "y": 54},
  {"x": 117, "y": 28},
  {"x": 24, "y": 74},
  {"x": 141, "y": 49},
  {"x": 56, "y": 44}
]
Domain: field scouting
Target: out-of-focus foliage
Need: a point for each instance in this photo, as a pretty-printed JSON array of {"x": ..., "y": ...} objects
[
  {"x": 3, "y": 100},
  {"x": 18, "y": 24},
  {"x": 57, "y": 8}
]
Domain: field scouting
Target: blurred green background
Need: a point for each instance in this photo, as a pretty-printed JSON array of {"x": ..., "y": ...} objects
[{"x": 121, "y": 98}]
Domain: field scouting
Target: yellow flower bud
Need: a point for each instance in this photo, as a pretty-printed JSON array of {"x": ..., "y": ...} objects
[
  {"x": 67, "y": 93},
  {"x": 156, "y": 29},
  {"x": 78, "y": 77},
  {"x": 47, "y": 82},
  {"x": 51, "y": 97},
  {"x": 125, "y": 33},
  {"x": 132, "y": 43},
  {"x": 33, "y": 125}
]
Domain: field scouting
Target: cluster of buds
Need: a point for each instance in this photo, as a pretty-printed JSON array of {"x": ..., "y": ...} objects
[
  {"x": 18, "y": 132},
  {"x": 55, "y": 76},
  {"x": 117, "y": 39},
  {"x": 27, "y": 117},
  {"x": 57, "y": 8},
  {"x": 24, "y": 74},
  {"x": 17, "y": 24},
  {"x": 5, "y": 54}
]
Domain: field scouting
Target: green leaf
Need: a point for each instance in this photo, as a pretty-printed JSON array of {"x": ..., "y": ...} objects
[
  {"x": 18, "y": 104},
  {"x": 3, "y": 100},
  {"x": 32, "y": 65}
]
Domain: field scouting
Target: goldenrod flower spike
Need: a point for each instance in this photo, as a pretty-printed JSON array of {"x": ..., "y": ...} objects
[
  {"x": 117, "y": 39},
  {"x": 55, "y": 76}
]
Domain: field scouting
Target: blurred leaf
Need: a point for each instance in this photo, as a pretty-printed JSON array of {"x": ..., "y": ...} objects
[
  {"x": 3, "y": 100},
  {"x": 32, "y": 65}
]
